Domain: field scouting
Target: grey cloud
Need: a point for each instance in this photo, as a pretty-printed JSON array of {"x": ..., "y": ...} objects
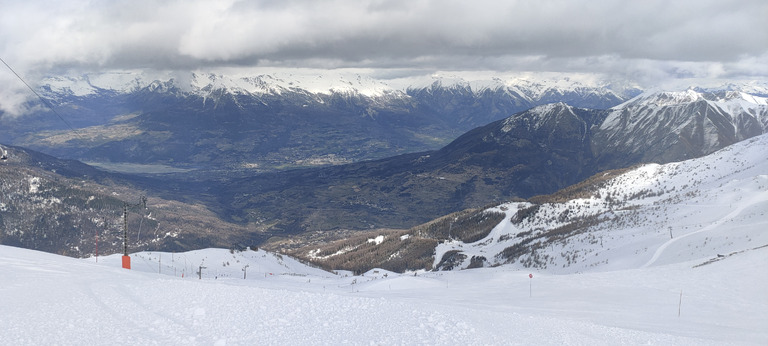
[{"x": 603, "y": 36}]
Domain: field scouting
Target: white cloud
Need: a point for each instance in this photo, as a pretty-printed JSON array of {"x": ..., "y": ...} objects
[{"x": 13, "y": 101}]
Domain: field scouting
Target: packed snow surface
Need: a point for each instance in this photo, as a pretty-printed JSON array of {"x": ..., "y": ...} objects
[{"x": 49, "y": 299}]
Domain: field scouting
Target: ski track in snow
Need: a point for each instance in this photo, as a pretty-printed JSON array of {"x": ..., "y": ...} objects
[
  {"x": 660, "y": 250},
  {"x": 48, "y": 299}
]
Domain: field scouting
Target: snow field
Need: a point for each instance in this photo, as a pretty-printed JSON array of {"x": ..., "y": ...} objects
[{"x": 52, "y": 299}]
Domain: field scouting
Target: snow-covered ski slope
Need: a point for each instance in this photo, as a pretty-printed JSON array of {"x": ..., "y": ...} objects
[
  {"x": 677, "y": 255},
  {"x": 50, "y": 299},
  {"x": 651, "y": 215}
]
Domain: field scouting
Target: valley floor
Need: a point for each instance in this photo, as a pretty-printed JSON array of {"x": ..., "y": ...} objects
[{"x": 48, "y": 299}]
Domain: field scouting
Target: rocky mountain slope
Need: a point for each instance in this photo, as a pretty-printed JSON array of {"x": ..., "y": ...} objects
[
  {"x": 668, "y": 126},
  {"x": 533, "y": 152},
  {"x": 69, "y": 208},
  {"x": 709, "y": 207}
]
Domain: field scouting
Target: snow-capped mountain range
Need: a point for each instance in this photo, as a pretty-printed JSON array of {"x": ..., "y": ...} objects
[
  {"x": 358, "y": 117},
  {"x": 532, "y": 87},
  {"x": 282, "y": 113},
  {"x": 202, "y": 83},
  {"x": 656, "y": 126}
]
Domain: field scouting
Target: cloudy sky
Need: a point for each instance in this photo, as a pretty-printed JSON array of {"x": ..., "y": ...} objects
[{"x": 642, "y": 40}]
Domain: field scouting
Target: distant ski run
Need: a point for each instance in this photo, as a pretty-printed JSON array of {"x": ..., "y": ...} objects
[{"x": 760, "y": 198}]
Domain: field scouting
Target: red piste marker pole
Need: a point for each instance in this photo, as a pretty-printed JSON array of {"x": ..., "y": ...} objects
[{"x": 530, "y": 285}]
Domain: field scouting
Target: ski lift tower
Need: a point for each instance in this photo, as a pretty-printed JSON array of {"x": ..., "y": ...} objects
[{"x": 126, "y": 205}]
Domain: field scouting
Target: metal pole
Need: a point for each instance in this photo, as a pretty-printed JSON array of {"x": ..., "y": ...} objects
[
  {"x": 530, "y": 285},
  {"x": 125, "y": 229},
  {"x": 126, "y": 258}
]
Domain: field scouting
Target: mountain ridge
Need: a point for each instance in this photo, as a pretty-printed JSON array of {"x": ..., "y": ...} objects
[
  {"x": 638, "y": 217},
  {"x": 277, "y": 120},
  {"x": 533, "y": 152},
  {"x": 326, "y": 82},
  {"x": 256, "y": 122}
]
